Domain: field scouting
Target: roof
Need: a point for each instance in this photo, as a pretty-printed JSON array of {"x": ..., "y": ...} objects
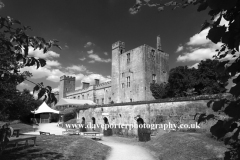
[
  {"x": 64, "y": 101},
  {"x": 44, "y": 108}
]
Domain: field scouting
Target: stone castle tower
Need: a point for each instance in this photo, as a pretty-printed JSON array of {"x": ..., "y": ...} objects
[
  {"x": 67, "y": 84},
  {"x": 132, "y": 73}
]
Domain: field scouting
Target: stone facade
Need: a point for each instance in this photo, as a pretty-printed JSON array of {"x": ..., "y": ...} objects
[{"x": 132, "y": 73}]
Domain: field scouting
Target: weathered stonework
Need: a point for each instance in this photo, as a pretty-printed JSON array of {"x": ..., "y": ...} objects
[
  {"x": 132, "y": 73},
  {"x": 150, "y": 113}
]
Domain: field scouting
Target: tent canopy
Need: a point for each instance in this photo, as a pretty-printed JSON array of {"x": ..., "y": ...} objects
[
  {"x": 44, "y": 108},
  {"x": 64, "y": 101}
]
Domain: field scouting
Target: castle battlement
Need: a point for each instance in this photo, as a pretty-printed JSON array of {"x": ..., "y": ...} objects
[
  {"x": 105, "y": 84},
  {"x": 118, "y": 44},
  {"x": 64, "y": 77}
]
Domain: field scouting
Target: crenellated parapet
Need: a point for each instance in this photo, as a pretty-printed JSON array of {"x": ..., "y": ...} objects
[
  {"x": 64, "y": 77},
  {"x": 103, "y": 85},
  {"x": 118, "y": 44}
]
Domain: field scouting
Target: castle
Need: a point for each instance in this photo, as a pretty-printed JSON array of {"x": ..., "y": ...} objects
[{"x": 132, "y": 73}]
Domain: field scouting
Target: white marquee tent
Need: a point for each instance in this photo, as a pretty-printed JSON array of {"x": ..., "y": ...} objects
[
  {"x": 45, "y": 112},
  {"x": 44, "y": 108}
]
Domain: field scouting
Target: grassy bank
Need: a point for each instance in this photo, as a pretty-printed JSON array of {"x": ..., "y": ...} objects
[{"x": 181, "y": 146}]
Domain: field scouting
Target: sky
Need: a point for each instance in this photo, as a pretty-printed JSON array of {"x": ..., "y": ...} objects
[{"x": 86, "y": 29}]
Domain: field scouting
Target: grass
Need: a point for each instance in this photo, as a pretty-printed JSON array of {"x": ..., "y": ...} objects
[
  {"x": 182, "y": 146},
  {"x": 53, "y": 147},
  {"x": 24, "y": 127},
  {"x": 59, "y": 147}
]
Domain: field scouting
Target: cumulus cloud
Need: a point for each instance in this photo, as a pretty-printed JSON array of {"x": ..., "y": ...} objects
[
  {"x": 96, "y": 58},
  {"x": 199, "y": 47},
  {"x": 50, "y": 74},
  {"x": 82, "y": 59},
  {"x": 199, "y": 39},
  {"x": 194, "y": 66},
  {"x": 39, "y": 54},
  {"x": 90, "y": 52},
  {"x": 179, "y": 49},
  {"x": 52, "y": 63},
  {"x": 24, "y": 85},
  {"x": 79, "y": 68},
  {"x": 91, "y": 78},
  {"x": 89, "y": 44},
  {"x": 197, "y": 55}
]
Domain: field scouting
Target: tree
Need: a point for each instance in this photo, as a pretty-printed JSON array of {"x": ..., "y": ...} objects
[
  {"x": 159, "y": 91},
  {"x": 229, "y": 36},
  {"x": 184, "y": 81},
  {"x": 14, "y": 49},
  {"x": 211, "y": 80}
]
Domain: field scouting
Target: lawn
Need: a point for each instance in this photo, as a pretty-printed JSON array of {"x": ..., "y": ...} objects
[
  {"x": 58, "y": 147},
  {"x": 52, "y": 147},
  {"x": 181, "y": 146}
]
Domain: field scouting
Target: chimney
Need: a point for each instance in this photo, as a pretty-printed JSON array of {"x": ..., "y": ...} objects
[
  {"x": 96, "y": 82},
  {"x": 159, "y": 46},
  {"x": 85, "y": 85}
]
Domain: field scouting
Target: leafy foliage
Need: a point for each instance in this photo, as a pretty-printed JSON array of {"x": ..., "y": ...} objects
[
  {"x": 229, "y": 36},
  {"x": 14, "y": 49},
  {"x": 184, "y": 81}
]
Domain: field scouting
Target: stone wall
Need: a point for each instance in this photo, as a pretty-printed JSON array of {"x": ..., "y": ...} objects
[{"x": 151, "y": 113}]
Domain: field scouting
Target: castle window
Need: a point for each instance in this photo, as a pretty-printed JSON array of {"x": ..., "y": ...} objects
[
  {"x": 102, "y": 100},
  {"x": 154, "y": 79},
  {"x": 153, "y": 54},
  {"x": 122, "y": 85},
  {"x": 128, "y": 81},
  {"x": 128, "y": 58},
  {"x": 130, "y": 99},
  {"x": 109, "y": 100}
]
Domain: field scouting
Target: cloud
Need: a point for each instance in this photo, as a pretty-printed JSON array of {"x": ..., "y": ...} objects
[
  {"x": 96, "y": 58},
  {"x": 52, "y": 63},
  {"x": 66, "y": 46},
  {"x": 1, "y": 5},
  {"x": 105, "y": 53},
  {"x": 91, "y": 78},
  {"x": 50, "y": 74},
  {"x": 90, "y": 52},
  {"x": 197, "y": 55},
  {"x": 89, "y": 44},
  {"x": 79, "y": 68},
  {"x": 82, "y": 59},
  {"x": 24, "y": 85},
  {"x": 56, "y": 89},
  {"x": 39, "y": 53},
  {"x": 199, "y": 39},
  {"x": 199, "y": 47},
  {"x": 194, "y": 66},
  {"x": 179, "y": 49}
]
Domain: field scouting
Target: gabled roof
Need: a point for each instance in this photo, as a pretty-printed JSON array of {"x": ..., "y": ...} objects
[
  {"x": 64, "y": 101},
  {"x": 44, "y": 108}
]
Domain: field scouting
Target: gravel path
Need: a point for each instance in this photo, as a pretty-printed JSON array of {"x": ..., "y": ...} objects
[{"x": 122, "y": 151}]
